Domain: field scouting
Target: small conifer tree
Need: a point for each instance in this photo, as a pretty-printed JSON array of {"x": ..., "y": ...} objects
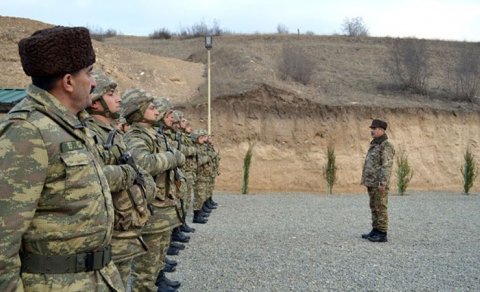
[
  {"x": 330, "y": 169},
  {"x": 246, "y": 168},
  {"x": 469, "y": 171},
  {"x": 404, "y": 172}
]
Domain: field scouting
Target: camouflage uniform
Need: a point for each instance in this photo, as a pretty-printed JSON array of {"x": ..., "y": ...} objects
[
  {"x": 215, "y": 158},
  {"x": 204, "y": 173},
  {"x": 132, "y": 189},
  {"x": 190, "y": 167},
  {"x": 376, "y": 172},
  {"x": 143, "y": 143},
  {"x": 55, "y": 201}
]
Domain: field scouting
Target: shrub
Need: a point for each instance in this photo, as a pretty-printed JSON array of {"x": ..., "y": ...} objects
[
  {"x": 246, "y": 168},
  {"x": 354, "y": 27},
  {"x": 161, "y": 33},
  {"x": 466, "y": 73},
  {"x": 295, "y": 64},
  {"x": 469, "y": 171},
  {"x": 404, "y": 172},
  {"x": 99, "y": 34},
  {"x": 408, "y": 65},
  {"x": 282, "y": 29},
  {"x": 330, "y": 169},
  {"x": 201, "y": 29}
]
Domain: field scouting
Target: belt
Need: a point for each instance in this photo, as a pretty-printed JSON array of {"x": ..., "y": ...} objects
[{"x": 61, "y": 264}]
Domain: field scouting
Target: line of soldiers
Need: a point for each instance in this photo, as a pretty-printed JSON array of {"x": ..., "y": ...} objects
[{"x": 91, "y": 200}]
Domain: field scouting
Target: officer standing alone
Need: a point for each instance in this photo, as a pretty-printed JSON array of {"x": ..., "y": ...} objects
[{"x": 376, "y": 177}]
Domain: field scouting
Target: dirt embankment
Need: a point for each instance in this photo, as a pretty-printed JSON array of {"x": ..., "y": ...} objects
[{"x": 291, "y": 136}]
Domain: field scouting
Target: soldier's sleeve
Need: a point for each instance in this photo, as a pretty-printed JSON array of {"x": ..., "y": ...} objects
[
  {"x": 189, "y": 150},
  {"x": 23, "y": 165},
  {"x": 203, "y": 158},
  {"x": 153, "y": 163},
  {"x": 387, "y": 163},
  {"x": 119, "y": 177}
]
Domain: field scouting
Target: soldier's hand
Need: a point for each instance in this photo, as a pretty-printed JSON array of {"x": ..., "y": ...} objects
[
  {"x": 179, "y": 157},
  {"x": 381, "y": 189}
]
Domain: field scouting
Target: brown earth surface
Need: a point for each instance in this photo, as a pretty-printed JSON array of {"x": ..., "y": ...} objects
[{"x": 290, "y": 124}]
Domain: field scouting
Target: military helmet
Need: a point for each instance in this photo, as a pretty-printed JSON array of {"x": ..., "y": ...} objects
[
  {"x": 177, "y": 116},
  {"x": 197, "y": 133},
  {"x": 134, "y": 103},
  {"x": 163, "y": 105},
  {"x": 104, "y": 84}
]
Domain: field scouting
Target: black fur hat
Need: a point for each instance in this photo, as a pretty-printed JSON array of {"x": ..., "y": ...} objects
[{"x": 56, "y": 51}]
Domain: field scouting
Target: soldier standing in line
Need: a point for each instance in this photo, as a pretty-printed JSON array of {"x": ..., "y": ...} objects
[
  {"x": 132, "y": 188},
  {"x": 143, "y": 142},
  {"x": 376, "y": 177},
  {"x": 186, "y": 146},
  {"x": 204, "y": 170},
  {"x": 190, "y": 166},
  {"x": 55, "y": 203},
  {"x": 215, "y": 158}
]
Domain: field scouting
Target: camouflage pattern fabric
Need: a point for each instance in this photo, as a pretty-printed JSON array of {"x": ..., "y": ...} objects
[
  {"x": 204, "y": 170},
  {"x": 104, "y": 84},
  {"x": 377, "y": 170},
  {"x": 378, "y": 208},
  {"x": 146, "y": 148},
  {"x": 55, "y": 199},
  {"x": 131, "y": 208},
  {"x": 215, "y": 159}
]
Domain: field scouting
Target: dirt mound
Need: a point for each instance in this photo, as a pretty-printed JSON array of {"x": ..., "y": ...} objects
[{"x": 173, "y": 78}]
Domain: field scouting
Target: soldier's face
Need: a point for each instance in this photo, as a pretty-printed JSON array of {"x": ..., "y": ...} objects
[
  {"x": 183, "y": 123},
  {"x": 82, "y": 83},
  {"x": 151, "y": 113},
  {"x": 113, "y": 100},
  {"x": 377, "y": 132},
  {"x": 168, "y": 119}
]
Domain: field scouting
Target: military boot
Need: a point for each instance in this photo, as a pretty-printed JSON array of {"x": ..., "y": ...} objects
[
  {"x": 162, "y": 279},
  {"x": 177, "y": 245},
  {"x": 163, "y": 287},
  {"x": 210, "y": 205},
  {"x": 170, "y": 262},
  {"x": 366, "y": 235},
  {"x": 198, "y": 218},
  {"x": 177, "y": 235},
  {"x": 186, "y": 228},
  {"x": 378, "y": 236},
  {"x": 173, "y": 250},
  {"x": 212, "y": 202},
  {"x": 205, "y": 209},
  {"x": 169, "y": 268}
]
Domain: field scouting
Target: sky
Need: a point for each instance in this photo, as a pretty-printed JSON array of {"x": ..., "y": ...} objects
[{"x": 432, "y": 19}]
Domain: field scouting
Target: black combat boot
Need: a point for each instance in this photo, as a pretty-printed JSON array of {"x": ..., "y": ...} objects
[
  {"x": 169, "y": 268},
  {"x": 367, "y": 235},
  {"x": 177, "y": 235},
  {"x": 186, "y": 228},
  {"x": 173, "y": 250},
  {"x": 178, "y": 245},
  {"x": 171, "y": 262},
  {"x": 212, "y": 202},
  {"x": 162, "y": 279},
  {"x": 205, "y": 209},
  {"x": 162, "y": 287},
  {"x": 198, "y": 218},
  {"x": 378, "y": 236},
  {"x": 210, "y": 205}
]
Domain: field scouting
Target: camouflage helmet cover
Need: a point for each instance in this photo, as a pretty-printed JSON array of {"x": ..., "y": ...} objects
[
  {"x": 104, "y": 84},
  {"x": 197, "y": 133},
  {"x": 135, "y": 100},
  {"x": 163, "y": 105},
  {"x": 177, "y": 116}
]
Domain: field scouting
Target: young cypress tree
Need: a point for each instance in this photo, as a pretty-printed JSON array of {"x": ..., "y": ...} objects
[
  {"x": 246, "y": 168},
  {"x": 469, "y": 171}
]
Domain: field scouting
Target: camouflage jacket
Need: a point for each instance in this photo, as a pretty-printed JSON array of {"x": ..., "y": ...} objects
[
  {"x": 130, "y": 196},
  {"x": 204, "y": 162},
  {"x": 378, "y": 163},
  {"x": 215, "y": 158},
  {"x": 149, "y": 151},
  {"x": 54, "y": 197},
  {"x": 187, "y": 147}
]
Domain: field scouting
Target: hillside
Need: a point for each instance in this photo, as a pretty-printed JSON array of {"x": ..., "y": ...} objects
[{"x": 292, "y": 124}]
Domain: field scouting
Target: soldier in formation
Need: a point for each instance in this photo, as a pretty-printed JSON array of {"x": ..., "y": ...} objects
[{"x": 56, "y": 205}]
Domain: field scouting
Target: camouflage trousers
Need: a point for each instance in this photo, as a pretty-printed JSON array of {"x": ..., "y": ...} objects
[
  {"x": 378, "y": 207},
  {"x": 125, "y": 247},
  {"x": 156, "y": 235},
  {"x": 190, "y": 176},
  {"x": 200, "y": 193},
  {"x": 106, "y": 279}
]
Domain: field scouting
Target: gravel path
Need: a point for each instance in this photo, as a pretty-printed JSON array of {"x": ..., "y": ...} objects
[{"x": 305, "y": 242}]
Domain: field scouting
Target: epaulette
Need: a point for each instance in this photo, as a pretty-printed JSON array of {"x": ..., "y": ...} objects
[{"x": 21, "y": 114}]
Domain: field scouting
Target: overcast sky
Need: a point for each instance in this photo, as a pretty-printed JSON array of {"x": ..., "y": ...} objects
[{"x": 433, "y": 19}]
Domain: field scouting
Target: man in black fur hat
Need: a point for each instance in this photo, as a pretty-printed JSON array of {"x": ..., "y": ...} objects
[{"x": 55, "y": 202}]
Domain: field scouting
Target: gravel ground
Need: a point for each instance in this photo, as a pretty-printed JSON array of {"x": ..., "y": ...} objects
[{"x": 306, "y": 242}]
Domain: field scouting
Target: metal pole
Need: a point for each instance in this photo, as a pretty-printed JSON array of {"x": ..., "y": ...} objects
[{"x": 209, "y": 97}]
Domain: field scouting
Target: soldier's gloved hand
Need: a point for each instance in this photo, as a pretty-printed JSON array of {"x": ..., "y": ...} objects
[
  {"x": 179, "y": 157},
  {"x": 130, "y": 175}
]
